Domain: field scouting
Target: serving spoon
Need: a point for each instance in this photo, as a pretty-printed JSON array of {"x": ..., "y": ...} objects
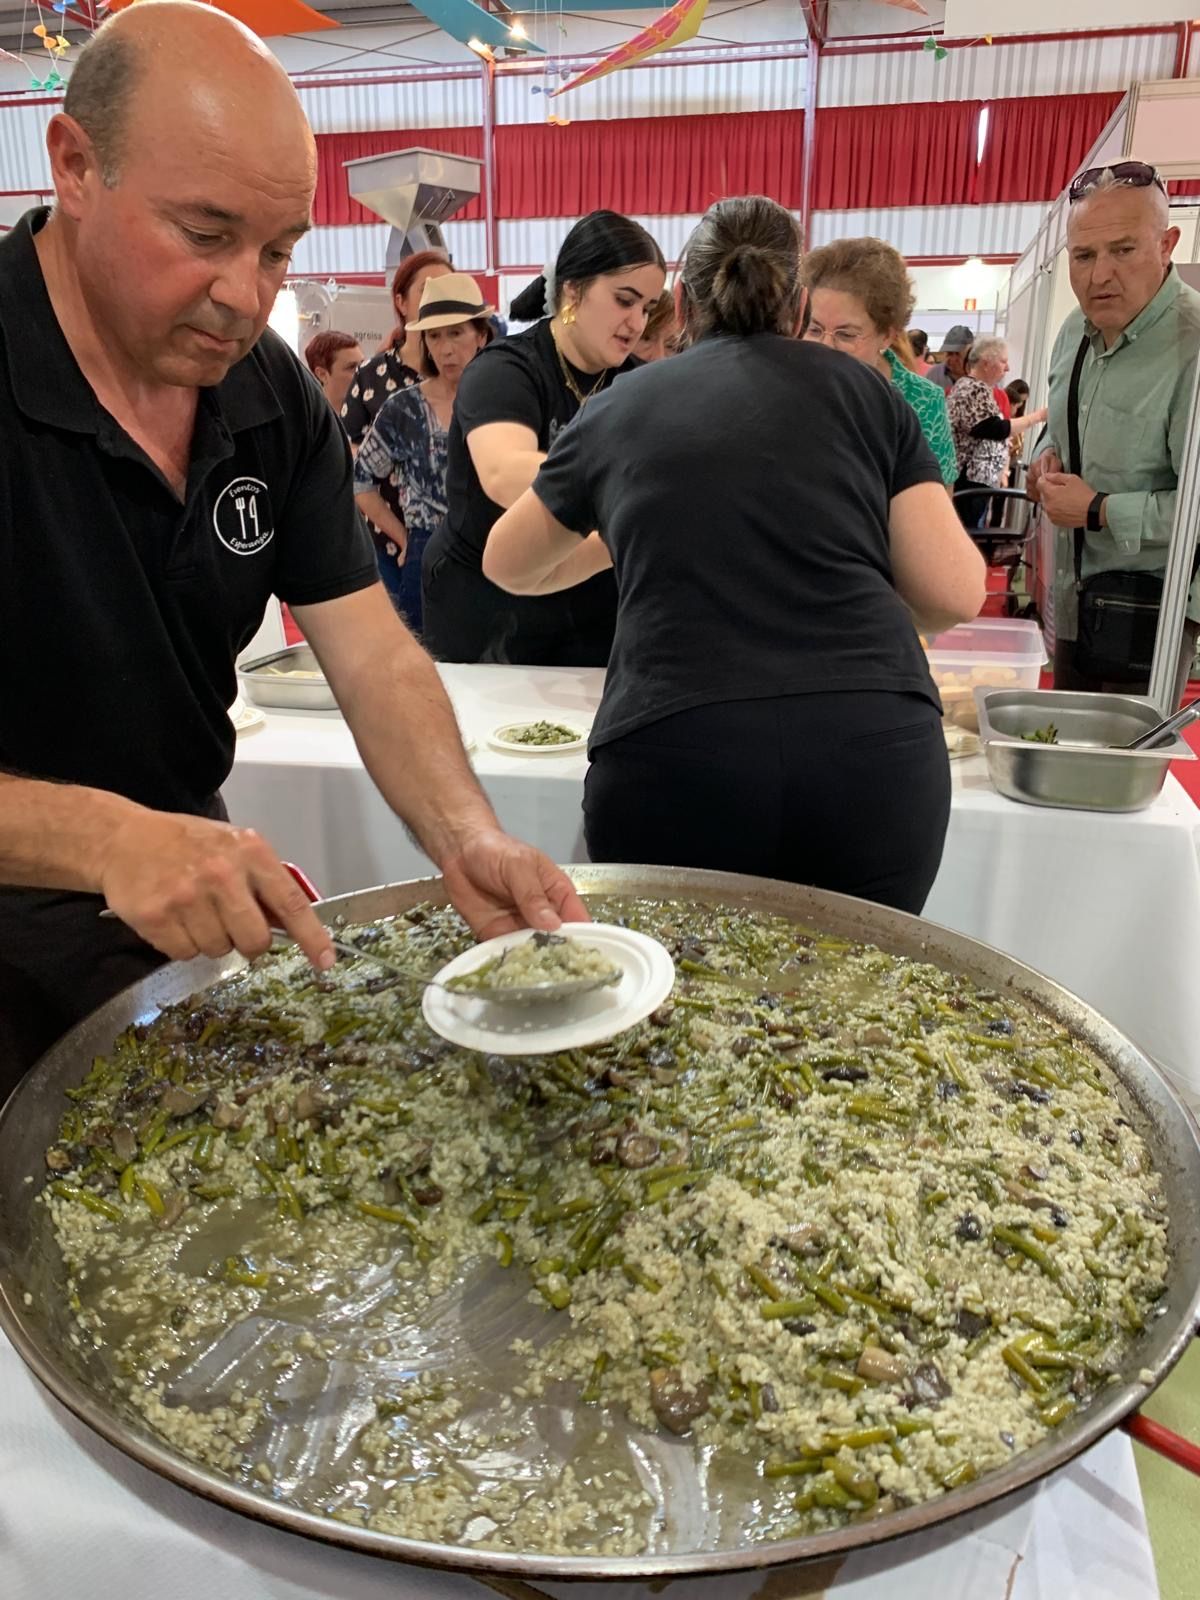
[
  {"x": 510, "y": 995},
  {"x": 1165, "y": 731}
]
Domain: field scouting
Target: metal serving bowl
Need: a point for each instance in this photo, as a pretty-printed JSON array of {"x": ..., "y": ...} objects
[
  {"x": 268, "y": 688},
  {"x": 1099, "y": 778},
  {"x": 41, "y": 1330}
]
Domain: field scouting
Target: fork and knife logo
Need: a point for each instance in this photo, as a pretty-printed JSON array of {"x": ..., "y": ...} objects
[{"x": 242, "y": 516}]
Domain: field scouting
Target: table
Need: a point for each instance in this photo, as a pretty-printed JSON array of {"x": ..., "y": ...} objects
[
  {"x": 1070, "y": 893},
  {"x": 77, "y": 1517},
  {"x": 1108, "y": 906}
]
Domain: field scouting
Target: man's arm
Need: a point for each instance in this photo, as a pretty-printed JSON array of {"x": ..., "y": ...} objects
[
  {"x": 188, "y": 886},
  {"x": 1136, "y": 517},
  {"x": 404, "y": 726}
]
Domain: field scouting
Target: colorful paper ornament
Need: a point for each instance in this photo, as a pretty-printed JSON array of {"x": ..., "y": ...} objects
[
  {"x": 676, "y": 26},
  {"x": 267, "y": 18}
]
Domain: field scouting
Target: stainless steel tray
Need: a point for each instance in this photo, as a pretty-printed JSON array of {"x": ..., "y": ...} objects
[
  {"x": 41, "y": 1331},
  {"x": 267, "y": 688},
  {"x": 1082, "y": 772}
]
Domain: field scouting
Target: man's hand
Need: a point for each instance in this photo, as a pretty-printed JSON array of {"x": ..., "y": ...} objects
[
  {"x": 192, "y": 887},
  {"x": 1066, "y": 498},
  {"x": 1048, "y": 461},
  {"x": 498, "y": 884}
]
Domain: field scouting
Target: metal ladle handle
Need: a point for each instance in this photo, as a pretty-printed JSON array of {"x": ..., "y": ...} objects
[{"x": 1165, "y": 731}]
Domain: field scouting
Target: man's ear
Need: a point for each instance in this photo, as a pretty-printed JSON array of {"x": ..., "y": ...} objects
[{"x": 73, "y": 164}]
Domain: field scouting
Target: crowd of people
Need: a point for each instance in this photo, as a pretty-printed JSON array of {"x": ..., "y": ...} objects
[
  {"x": 417, "y": 473},
  {"x": 733, "y": 495}
]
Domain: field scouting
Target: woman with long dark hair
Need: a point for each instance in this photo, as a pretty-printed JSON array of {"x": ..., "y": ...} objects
[
  {"x": 776, "y": 523},
  {"x": 588, "y": 312}
]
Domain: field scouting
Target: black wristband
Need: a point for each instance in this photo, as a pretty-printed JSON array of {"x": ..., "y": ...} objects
[{"x": 1094, "y": 525}]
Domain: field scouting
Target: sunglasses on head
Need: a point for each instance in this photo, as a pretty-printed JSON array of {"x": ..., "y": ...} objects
[{"x": 1125, "y": 175}]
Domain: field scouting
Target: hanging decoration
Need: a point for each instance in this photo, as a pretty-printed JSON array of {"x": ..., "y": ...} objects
[
  {"x": 907, "y": 5},
  {"x": 471, "y": 25},
  {"x": 939, "y": 51},
  {"x": 267, "y": 18},
  {"x": 56, "y": 47},
  {"x": 676, "y": 26}
]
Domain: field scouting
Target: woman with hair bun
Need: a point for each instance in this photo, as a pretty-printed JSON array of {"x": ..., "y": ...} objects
[
  {"x": 776, "y": 523},
  {"x": 588, "y": 312}
]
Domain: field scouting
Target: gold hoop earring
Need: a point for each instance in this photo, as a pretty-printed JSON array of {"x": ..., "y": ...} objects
[{"x": 568, "y": 315}]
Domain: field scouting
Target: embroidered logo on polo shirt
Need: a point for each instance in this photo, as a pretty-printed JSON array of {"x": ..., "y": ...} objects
[{"x": 242, "y": 516}]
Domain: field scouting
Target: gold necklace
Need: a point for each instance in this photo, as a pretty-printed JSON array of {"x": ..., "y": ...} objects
[{"x": 569, "y": 380}]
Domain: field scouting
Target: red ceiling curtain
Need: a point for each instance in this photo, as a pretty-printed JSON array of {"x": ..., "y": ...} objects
[
  {"x": 651, "y": 166},
  {"x": 908, "y": 155},
  {"x": 1035, "y": 146},
  {"x": 333, "y": 206}
]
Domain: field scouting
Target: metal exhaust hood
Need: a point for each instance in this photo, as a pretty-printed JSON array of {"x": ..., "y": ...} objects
[{"x": 416, "y": 191}]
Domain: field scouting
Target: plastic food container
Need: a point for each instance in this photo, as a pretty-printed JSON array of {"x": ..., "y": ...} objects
[{"x": 990, "y": 653}]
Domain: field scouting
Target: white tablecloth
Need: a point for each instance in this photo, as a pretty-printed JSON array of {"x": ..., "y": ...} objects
[
  {"x": 1109, "y": 906},
  {"x": 79, "y": 1518}
]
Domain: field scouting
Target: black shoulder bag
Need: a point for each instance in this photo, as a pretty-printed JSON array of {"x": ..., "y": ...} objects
[{"x": 1118, "y": 611}]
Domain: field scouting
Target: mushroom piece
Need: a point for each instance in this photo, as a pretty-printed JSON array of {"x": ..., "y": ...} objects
[
  {"x": 59, "y": 1159},
  {"x": 877, "y": 1366},
  {"x": 227, "y": 1116},
  {"x": 637, "y": 1149},
  {"x": 801, "y": 1241},
  {"x": 846, "y": 1075},
  {"x": 673, "y": 1403},
  {"x": 969, "y": 1324},
  {"x": 309, "y": 1103},
  {"x": 173, "y": 1208},
  {"x": 928, "y": 1386},
  {"x": 124, "y": 1142},
  {"x": 178, "y": 1101}
]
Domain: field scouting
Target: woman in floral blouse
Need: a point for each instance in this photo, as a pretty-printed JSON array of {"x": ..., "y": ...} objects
[
  {"x": 400, "y": 469},
  {"x": 981, "y": 432}
]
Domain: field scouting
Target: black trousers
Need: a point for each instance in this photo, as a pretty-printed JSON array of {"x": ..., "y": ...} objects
[
  {"x": 467, "y": 618},
  {"x": 849, "y": 792},
  {"x": 59, "y": 961}
]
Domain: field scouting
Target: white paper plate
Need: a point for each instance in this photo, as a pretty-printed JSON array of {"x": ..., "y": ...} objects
[
  {"x": 648, "y": 976},
  {"x": 244, "y": 717},
  {"x": 501, "y": 738}
]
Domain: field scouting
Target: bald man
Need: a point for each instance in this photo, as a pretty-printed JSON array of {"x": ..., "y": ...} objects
[
  {"x": 1129, "y": 354},
  {"x": 168, "y": 466}
]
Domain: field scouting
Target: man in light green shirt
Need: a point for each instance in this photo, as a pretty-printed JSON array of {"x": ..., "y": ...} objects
[{"x": 1142, "y": 323}]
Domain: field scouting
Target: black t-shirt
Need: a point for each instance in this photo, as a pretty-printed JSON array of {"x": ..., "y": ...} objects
[
  {"x": 121, "y": 609},
  {"x": 517, "y": 379},
  {"x": 743, "y": 491}
]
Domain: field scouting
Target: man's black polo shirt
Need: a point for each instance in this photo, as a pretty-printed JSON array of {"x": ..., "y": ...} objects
[{"x": 121, "y": 610}]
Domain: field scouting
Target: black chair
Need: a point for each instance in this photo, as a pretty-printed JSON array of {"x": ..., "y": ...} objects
[{"x": 1002, "y": 548}]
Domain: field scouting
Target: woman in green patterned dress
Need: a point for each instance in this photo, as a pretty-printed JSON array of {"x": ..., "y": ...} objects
[{"x": 860, "y": 300}]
